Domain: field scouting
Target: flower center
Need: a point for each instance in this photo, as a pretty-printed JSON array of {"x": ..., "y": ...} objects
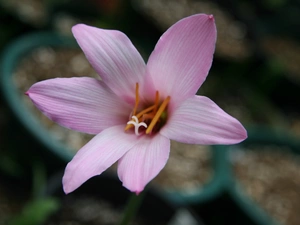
[{"x": 152, "y": 117}]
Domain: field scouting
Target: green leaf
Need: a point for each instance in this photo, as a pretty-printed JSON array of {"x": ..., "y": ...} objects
[{"x": 36, "y": 212}]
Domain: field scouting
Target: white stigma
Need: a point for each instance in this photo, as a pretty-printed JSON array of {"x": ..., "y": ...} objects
[{"x": 136, "y": 124}]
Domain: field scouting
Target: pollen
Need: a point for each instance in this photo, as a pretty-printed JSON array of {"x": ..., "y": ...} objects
[{"x": 151, "y": 117}]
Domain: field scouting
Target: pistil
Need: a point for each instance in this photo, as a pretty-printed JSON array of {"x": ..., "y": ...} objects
[{"x": 137, "y": 125}]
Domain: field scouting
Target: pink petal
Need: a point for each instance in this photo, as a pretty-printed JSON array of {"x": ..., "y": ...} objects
[
  {"x": 200, "y": 121},
  {"x": 143, "y": 162},
  {"x": 83, "y": 104},
  {"x": 182, "y": 57},
  {"x": 97, "y": 155},
  {"x": 114, "y": 58}
]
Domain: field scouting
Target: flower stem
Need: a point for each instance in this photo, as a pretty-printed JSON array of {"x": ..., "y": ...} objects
[{"x": 132, "y": 207}]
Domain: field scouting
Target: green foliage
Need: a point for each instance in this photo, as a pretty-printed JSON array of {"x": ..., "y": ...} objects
[{"x": 36, "y": 212}]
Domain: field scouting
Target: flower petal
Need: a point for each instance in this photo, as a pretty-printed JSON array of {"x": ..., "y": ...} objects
[
  {"x": 97, "y": 155},
  {"x": 200, "y": 121},
  {"x": 114, "y": 58},
  {"x": 182, "y": 57},
  {"x": 83, "y": 104},
  {"x": 143, "y": 162}
]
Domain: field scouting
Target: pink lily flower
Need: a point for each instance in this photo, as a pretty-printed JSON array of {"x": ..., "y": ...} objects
[{"x": 135, "y": 109}]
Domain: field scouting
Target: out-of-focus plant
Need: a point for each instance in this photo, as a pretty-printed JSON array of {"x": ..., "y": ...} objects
[{"x": 39, "y": 207}]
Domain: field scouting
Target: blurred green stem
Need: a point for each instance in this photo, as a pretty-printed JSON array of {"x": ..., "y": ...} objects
[
  {"x": 39, "y": 180},
  {"x": 132, "y": 207}
]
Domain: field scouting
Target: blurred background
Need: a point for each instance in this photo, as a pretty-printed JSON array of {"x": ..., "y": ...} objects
[{"x": 255, "y": 77}]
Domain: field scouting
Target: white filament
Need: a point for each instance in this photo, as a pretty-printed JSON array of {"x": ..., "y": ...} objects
[{"x": 136, "y": 124}]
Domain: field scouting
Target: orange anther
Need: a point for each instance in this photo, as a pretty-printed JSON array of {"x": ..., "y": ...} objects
[
  {"x": 158, "y": 114},
  {"x": 156, "y": 101},
  {"x": 137, "y": 99},
  {"x": 148, "y": 116},
  {"x": 152, "y": 113},
  {"x": 149, "y": 109}
]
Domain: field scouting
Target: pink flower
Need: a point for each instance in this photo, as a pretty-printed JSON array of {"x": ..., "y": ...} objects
[{"x": 135, "y": 109}]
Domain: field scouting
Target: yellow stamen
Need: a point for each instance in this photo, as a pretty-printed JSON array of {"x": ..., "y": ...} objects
[
  {"x": 137, "y": 99},
  {"x": 153, "y": 107},
  {"x": 128, "y": 126},
  {"x": 148, "y": 116},
  {"x": 153, "y": 113},
  {"x": 156, "y": 101},
  {"x": 139, "y": 115},
  {"x": 158, "y": 114},
  {"x": 145, "y": 111}
]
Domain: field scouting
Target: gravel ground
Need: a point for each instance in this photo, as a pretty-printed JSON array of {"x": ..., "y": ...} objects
[{"x": 270, "y": 176}]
